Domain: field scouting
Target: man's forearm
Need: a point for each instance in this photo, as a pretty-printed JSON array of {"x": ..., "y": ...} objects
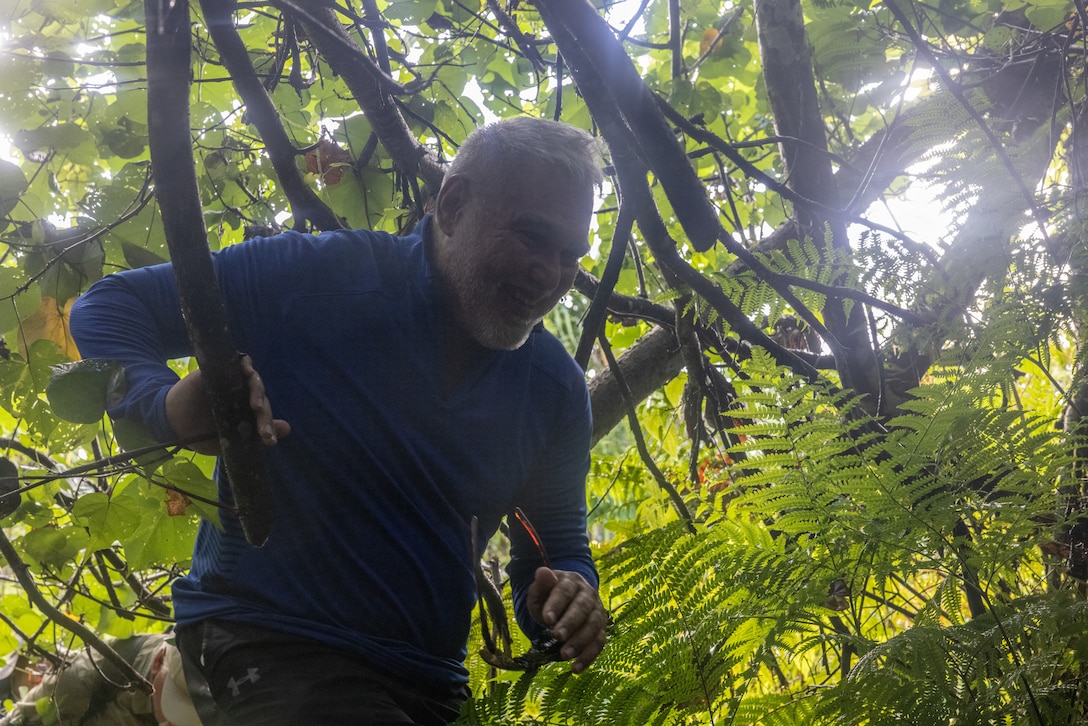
[{"x": 188, "y": 412}]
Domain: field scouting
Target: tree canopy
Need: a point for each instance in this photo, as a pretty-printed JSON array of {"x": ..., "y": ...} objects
[{"x": 832, "y": 321}]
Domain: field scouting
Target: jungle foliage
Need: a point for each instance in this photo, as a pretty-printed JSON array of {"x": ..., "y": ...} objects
[{"x": 832, "y": 323}]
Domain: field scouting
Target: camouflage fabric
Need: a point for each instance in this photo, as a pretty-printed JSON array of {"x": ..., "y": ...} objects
[{"x": 90, "y": 691}]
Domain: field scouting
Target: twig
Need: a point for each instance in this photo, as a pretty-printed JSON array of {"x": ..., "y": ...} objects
[
  {"x": 954, "y": 88},
  {"x": 26, "y": 580},
  {"x": 640, "y": 440},
  {"x": 38, "y": 457},
  {"x": 594, "y": 319},
  {"x": 625, "y": 306}
]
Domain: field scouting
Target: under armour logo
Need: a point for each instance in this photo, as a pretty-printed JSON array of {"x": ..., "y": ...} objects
[{"x": 251, "y": 677}]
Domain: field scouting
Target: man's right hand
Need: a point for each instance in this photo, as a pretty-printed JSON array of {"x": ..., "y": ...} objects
[{"x": 189, "y": 412}]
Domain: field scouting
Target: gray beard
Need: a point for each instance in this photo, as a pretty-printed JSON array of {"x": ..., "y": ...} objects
[{"x": 476, "y": 306}]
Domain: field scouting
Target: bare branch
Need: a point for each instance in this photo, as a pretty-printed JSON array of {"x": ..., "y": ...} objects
[
  {"x": 371, "y": 89},
  {"x": 305, "y": 204}
]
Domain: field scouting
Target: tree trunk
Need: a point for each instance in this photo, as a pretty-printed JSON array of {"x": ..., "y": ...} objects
[{"x": 791, "y": 89}]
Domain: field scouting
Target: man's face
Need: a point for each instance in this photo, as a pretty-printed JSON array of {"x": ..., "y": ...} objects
[{"x": 512, "y": 253}]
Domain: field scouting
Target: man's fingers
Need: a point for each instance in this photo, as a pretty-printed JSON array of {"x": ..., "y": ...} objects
[
  {"x": 585, "y": 645},
  {"x": 541, "y": 606},
  {"x": 582, "y": 607},
  {"x": 577, "y": 618},
  {"x": 270, "y": 429}
]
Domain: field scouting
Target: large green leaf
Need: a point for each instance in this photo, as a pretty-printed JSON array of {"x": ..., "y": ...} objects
[
  {"x": 12, "y": 185},
  {"x": 82, "y": 391},
  {"x": 54, "y": 547},
  {"x": 107, "y": 519},
  {"x": 61, "y": 137},
  {"x": 14, "y": 307},
  {"x": 160, "y": 539}
]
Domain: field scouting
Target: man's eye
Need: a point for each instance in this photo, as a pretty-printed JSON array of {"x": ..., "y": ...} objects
[{"x": 529, "y": 239}]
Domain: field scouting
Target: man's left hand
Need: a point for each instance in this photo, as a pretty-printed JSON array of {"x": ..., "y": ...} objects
[{"x": 571, "y": 607}]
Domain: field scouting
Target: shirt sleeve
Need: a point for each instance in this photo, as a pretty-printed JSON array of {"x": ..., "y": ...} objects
[
  {"x": 134, "y": 318},
  {"x": 554, "y": 502}
]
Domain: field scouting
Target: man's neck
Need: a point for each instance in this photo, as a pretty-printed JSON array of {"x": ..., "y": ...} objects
[{"x": 462, "y": 355}]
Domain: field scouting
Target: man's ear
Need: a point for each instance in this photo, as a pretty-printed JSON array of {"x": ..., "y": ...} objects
[{"x": 452, "y": 203}]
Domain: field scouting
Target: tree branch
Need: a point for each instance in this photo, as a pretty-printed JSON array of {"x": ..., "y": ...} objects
[
  {"x": 625, "y": 306},
  {"x": 168, "y": 68},
  {"x": 594, "y": 318},
  {"x": 640, "y": 440},
  {"x": 370, "y": 88},
  {"x": 26, "y": 580},
  {"x": 305, "y": 204},
  {"x": 791, "y": 89},
  {"x": 579, "y": 31}
]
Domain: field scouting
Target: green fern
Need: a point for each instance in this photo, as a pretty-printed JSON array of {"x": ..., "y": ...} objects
[{"x": 845, "y": 576}]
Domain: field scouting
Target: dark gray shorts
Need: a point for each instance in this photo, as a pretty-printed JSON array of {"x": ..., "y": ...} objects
[{"x": 249, "y": 676}]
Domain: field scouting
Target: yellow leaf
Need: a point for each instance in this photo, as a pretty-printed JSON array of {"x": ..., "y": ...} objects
[
  {"x": 48, "y": 322},
  {"x": 710, "y": 36}
]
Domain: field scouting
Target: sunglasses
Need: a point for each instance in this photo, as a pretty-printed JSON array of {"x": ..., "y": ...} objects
[{"x": 494, "y": 624}]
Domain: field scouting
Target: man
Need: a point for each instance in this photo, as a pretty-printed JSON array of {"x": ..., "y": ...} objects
[
  {"x": 91, "y": 691},
  {"x": 414, "y": 390}
]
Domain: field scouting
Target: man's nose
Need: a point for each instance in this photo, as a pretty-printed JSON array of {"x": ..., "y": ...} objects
[{"x": 546, "y": 269}]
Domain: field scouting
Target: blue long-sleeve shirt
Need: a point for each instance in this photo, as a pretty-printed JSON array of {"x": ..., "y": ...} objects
[{"x": 376, "y": 486}]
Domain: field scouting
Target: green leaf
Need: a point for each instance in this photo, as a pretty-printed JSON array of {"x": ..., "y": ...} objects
[
  {"x": 10, "y": 499},
  {"x": 60, "y": 137},
  {"x": 58, "y": 64},
  {"x": 82, "y": 391},
  {"x": 132, "y": 435},
  {"x": 1046, "y": 16},
  {"x": 15, "y": 308},
  {"x": 107, "y": 520},
  {"x": 12, "y": 185},
  {"x": 139, "y": 257},
  {"x": 160, "y": 539},
  {"x": 412, "y": 12},
  {"x": 54, "y": 546}
]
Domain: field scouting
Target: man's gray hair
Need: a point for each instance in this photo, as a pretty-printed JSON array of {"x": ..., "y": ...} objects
[{"x": 499, "y": 148}]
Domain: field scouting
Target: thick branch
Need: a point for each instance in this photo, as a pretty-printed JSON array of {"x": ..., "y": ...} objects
[
  {"x": 368, "y": 87},
  {"x": 980, "y": 248},
  {"x": 579, "y": 31},
  {"x": 305, "y": 204},
  {"x": 791, "y": 89},
  {"x": 168, "y": 70},
  {"x": 652, "y": 360},
  {"x": 594, "y": 319},
  {"x": 634, "y": 188}
]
